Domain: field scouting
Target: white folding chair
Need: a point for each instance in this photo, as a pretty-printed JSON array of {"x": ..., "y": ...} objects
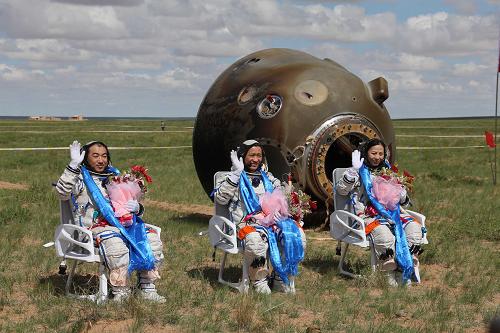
[
  {"x": 223, "y": 235},
  {"x": 349, "y": 228},
  {"x": 75, "y": 242}
]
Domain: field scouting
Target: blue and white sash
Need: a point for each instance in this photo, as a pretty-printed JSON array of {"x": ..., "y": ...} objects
[
  {"x": 141, "y": 255},
  {"x": 291, "y": 238},
  {"x": 403, "y": 255}
]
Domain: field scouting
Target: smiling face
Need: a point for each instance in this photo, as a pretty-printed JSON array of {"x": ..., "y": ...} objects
[
  {"x": 253, "y": 159},
  {"x": 375, "y": 155},
  {"x": 97, "y": 158}
]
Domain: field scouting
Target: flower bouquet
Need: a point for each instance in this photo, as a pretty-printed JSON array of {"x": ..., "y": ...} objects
[
  {"x": 131, "y": 185},
  {"x": 299, "y": 203},
  {"x": 388, "y": 184},
  {"x": 272, "y": 204}
]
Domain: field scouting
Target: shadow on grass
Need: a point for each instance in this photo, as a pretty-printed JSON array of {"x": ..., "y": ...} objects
[
  {"x": 325, "y": 266},
  {"x": 211, "y": 274},
  {"x": 82, "y": 284}
]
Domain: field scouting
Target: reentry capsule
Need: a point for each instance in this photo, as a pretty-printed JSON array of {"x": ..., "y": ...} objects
[{"x": 308, "y": 113}]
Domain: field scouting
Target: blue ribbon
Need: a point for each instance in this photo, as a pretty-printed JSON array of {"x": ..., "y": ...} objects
[
  {"x": 250, "y": 199},
  {"x": 403, "y": 255},
  {"x": 293, "y": 250},
  {"x": 141, "y": 255}
]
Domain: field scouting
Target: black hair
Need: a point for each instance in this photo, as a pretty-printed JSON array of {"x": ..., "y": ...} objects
[
  {"x": 86, "y": 149},
  {"x": 365, "y": 146}
]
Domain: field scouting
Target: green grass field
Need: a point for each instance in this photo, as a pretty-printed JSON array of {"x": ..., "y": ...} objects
[{"x": 460, "y": 267}]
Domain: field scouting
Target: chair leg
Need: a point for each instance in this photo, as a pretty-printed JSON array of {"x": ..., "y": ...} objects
[
  {"x": 102, "y": 295},
  {"x": 243, "y": 285},
  {"x": 341, "y": 263},
  {"x": 221, "y": 269},
  {"x": 69, "y": 280},
  {"x": 245, "y": 278},
  {"x": 292, "y": 284},
  {"x": 416, "y": 270},
  {"x": 373, "y": 258}
]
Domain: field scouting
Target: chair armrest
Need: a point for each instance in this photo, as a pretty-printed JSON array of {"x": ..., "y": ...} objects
[
  {"x": 75, "y": 242},
  {"x": 341, "y": 230},
  {"x": 155, "y": 228},
  {"x": 420, "y": 219},
  {"x": 222, "y": 234}
]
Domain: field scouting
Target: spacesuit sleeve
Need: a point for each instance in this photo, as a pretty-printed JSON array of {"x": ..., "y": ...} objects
[
  {"x": 275, "y": 181},
  {"x": 225, "y": 190},
  {"x": 349, "y": 180},
  {"x": 66, "y": 183}
]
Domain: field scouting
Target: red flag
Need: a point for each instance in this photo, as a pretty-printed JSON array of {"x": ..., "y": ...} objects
[{"x": 490, "y": 139}]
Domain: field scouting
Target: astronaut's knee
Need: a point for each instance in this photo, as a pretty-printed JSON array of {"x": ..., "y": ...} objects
[
  {"x": 156, "y": 246},
  {"x": 413, "y": 231},
  {"x": 115, "y": 252},
  {"x": 383, "y": 240},
  {"x": 255, "y": 245}
]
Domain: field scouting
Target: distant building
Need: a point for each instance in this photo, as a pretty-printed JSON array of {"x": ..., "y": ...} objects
[{"x": 51, "y": 118}]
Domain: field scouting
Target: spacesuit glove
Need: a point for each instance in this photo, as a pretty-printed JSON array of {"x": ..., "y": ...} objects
[
  {"x": 238, "y": 165},
  {"x": 76, "y": 155},
  {"x": 403, "y": 196},
  {"x": 132, "y": 206},
  {"x": 357, "y": 161},
  {"x": 277, "y": 216},
  {"x": 351, "y": 175}
]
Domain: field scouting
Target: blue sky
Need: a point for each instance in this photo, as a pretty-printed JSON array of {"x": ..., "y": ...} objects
[{"x": 158, "y": 58}]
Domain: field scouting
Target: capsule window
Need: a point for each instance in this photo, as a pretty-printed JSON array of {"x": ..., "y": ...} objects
[
  {"x": 246, "y": 94},
  {"x": 311, "y": 92}
]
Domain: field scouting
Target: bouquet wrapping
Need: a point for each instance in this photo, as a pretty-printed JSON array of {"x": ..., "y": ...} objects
[
  {"x": 272, "y": 204},
  {"x": 122, "y": 189},
  {"x": 387, "y": 191}
]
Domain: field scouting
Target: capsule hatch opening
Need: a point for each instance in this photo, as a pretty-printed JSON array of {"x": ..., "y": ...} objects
[{"x": 339, "y": 152}]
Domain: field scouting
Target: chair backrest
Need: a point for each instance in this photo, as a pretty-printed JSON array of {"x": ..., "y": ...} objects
[
  {"x": 66, "y": 216},
  {"x": 221, "y": 210},
  {"x": 339, "y": 201},
  {"x": 71, "y": 240}
]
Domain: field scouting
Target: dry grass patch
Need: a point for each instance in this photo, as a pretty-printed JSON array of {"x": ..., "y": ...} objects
[{"x": 13, "y": 186}]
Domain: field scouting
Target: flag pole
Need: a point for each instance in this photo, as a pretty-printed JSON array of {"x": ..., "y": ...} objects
[
  {"x": 496, "y": 121},
  {"x": 496, "y": 133}
]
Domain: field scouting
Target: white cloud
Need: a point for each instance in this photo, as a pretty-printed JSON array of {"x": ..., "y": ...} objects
[
  {"x": 178, "y": 78},
  {"x": 43, "y": 19},
  {"x": 468, "y": 69},
  {"x": 125, "y": 3},
  {"x": 445, "y": 34},
  {"x": 10, "y": 73},
  {"x": 49, "y": 50},
  {"x": 122, "y": 63}
]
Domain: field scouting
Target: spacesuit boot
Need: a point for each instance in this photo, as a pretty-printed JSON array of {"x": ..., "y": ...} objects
[
  {"x": 261, "y": 287},
  {"x": 147, "y": 291},
  {"x": 120, "y": 294}
]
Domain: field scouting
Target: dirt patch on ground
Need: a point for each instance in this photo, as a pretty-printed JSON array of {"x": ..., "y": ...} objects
[
  {"x": 12, "y": 186},
  {"x": 181, "y": 208},
  {"x": 112, "y": 326}
]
